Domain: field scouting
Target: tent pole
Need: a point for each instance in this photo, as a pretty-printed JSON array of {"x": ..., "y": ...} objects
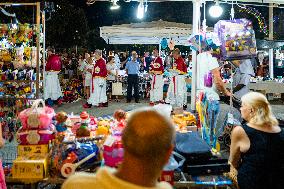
[
  {"x": 271, "y": 74},
  {"x": 44, "y": 48},
  {"x": 196, "y": 17}
]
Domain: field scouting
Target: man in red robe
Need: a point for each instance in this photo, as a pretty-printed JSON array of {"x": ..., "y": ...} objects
[
  {"x": 52, "y": 89},
  {"x": 98, "y": 95},
  {"x": 157, "y": 70},
  {"x": 177, "y": 91}
]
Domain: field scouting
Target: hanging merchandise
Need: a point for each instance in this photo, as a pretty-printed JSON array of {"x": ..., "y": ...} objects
[
  {"x": 261, "y": 20},
  {"x": 208, "y": 111},
  {"x": 164, "y": 43},
  {"x": 172, "y": 44},
  {"x": 237, "y": 38},
  {"x": 204, "y": 42}
]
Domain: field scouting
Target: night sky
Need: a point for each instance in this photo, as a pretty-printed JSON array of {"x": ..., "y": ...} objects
[{"x": 99, "y": 14}]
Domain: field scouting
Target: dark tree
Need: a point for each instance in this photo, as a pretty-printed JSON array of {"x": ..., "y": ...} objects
[{"x": 67, "y": 27}]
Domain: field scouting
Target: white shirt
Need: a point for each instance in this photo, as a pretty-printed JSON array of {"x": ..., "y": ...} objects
[
  {"x": 242, "y": 76},
  {"x": 205, "y": 64},
  {"x": 104, "y": 179},
  {"x": 112, "y": 68}
]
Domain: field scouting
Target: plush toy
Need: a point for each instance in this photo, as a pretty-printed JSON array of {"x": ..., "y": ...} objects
[
  {"x": 103, "y": 127},
  {"x": 120, "y": 117},
  {"x": 61, "y": 118},
  {"x": 83, "y": 130}
]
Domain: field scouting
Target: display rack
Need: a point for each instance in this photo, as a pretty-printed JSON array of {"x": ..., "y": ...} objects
[{"x": 18, "y": 86}]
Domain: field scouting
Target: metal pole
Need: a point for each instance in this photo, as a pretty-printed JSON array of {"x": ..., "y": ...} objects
[
  {"x": 43, "y": 48},
  {"x": 195, "y": 24},
  {"x": 37, "y": 48},
  {"x": 271, "y": 74}
]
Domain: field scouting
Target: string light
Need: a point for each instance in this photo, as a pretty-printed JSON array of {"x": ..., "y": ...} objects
[{"x": 261, "y": 20}]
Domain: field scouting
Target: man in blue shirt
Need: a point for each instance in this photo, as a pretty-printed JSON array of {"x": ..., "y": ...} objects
[{"x": 132, "y": 69}]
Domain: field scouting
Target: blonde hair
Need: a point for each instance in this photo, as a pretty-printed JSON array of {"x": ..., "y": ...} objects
[{"x": 262, "y": 113}]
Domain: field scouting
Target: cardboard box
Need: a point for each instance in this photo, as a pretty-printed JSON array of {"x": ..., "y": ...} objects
[
  {"x": 32, "y": 150},
  {"x": 30, "y": 168}
]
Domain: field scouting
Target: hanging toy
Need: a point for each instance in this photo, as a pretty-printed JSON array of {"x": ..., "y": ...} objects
[{"x": 164, "y": 43}]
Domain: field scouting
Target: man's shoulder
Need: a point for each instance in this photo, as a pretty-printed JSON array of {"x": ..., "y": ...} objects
[{"x": 79, "y": 179}]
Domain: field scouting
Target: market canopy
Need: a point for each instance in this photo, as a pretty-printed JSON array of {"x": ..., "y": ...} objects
[{"x": 146, "y": 33}]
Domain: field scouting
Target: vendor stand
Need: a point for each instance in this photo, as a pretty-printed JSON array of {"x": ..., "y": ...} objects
[{"x": 40, "y": 162}]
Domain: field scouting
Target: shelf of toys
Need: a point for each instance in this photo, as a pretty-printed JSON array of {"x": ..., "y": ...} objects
[{"x": 18, "y": 73}]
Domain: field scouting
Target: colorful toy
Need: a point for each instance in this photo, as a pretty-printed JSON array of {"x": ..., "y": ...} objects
[
  {"x": 61, "y": 118},
  {"x": 83, "y": 130}
]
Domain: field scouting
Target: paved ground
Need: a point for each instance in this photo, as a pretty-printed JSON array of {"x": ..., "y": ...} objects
[{"x": 76, "y": 108}]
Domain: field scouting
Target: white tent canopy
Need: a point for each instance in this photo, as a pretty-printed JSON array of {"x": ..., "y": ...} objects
[{"x": 146, "y": 33}]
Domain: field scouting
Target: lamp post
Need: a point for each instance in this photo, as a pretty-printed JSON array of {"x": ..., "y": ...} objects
[{"x": 195, "y": 24}]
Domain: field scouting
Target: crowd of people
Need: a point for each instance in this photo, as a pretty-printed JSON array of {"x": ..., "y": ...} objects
[{"x": 98, "y": 71}]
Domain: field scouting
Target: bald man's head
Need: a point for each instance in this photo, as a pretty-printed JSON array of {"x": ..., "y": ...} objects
[{"x": 148, "y": 135}]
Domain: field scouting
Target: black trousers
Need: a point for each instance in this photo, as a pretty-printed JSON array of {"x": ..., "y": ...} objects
[{"x": 132, "y": 81}]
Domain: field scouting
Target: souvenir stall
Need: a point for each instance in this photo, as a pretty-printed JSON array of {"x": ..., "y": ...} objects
[{"x": 19, "y": 71}]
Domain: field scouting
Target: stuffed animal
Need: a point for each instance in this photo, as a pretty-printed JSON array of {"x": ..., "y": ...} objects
[
  {"x": 61, "y": 118},
  {"x": 103, "y": 127}
]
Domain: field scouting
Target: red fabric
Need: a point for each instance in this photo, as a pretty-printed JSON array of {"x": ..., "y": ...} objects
[
  {"x": 53, "y": 63},
  {"x": 180, "y": 65},
  {"x": 158, "y": 60},
  {"x": 101, "y": 64}
]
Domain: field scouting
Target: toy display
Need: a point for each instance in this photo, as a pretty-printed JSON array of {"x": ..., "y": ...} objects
[
  {"x": 237, "y": 38},
  {"x": 81, "y": 154}
]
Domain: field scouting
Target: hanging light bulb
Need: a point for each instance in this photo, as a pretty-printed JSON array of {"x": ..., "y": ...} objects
[
  {"x": 114, "y": 5},
  {"x": 140, "y": 10},
  {"x": 216, "y": 11}
]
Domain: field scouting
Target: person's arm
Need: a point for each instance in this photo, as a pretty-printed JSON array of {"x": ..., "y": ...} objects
[
  {"x": 235, "y": 148},
  {"x": 219, "y": 82}
]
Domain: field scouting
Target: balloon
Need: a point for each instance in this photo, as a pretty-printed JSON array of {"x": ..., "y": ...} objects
[{"x": 164, "y": 43}]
